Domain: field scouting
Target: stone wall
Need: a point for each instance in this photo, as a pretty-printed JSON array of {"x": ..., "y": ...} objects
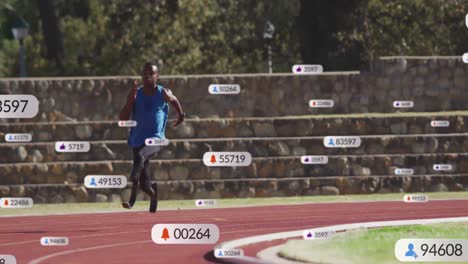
[
  {"x": 261, "y": 168},
  {"x": 434, "y": 84},
  {"x": 248, "y": 127},
  {"x": 270, "y": 119},
  {"x": 245, "y": 188}
]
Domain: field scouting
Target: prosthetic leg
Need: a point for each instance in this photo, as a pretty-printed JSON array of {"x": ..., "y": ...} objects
[
  {"x": 141, "y": 164},
  {"x": 134, "y": 180}
]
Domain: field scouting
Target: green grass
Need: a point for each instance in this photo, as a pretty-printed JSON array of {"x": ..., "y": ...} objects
[
  {"x": 70, "y": 208},
  {"x": 367, "y": 246}
]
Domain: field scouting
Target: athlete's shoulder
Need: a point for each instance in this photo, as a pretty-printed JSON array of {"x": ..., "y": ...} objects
[
  {"x": 168, "y": 95},
  {"x": 160, "y": 88},
  {"x": 139, "y": 90}
]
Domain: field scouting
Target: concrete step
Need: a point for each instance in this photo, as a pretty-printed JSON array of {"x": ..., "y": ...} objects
[
  {"x": 244, "y": 188},
  {"x": 258, "y": 147},
  {"x": 194, "y": 169},
  {"x": 371, "y": 124}
]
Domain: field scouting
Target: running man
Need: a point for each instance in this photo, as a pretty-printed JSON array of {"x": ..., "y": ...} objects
[{"x": 148, "y": 106}]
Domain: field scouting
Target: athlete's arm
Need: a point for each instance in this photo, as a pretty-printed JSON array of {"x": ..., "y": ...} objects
[
  {"x": 127, "y": 109},
  {"x": 170, "y": 98}
]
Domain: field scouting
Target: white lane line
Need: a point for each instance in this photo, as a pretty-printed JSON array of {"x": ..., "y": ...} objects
[
  {"x": 300, "y": 218},
  {"x": 336, "y": 228},
  {"x": 232, "y": 218},
  {"x": 143, "y": 231},
  {"x": 240, "y": 206},
  {"x": 83, "y": 236},
  {"x": 39, "y": 260},
  {"x": 271, "y": 254}
]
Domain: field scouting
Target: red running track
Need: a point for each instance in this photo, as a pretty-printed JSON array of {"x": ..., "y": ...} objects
[{"x": 126, "y": 237}]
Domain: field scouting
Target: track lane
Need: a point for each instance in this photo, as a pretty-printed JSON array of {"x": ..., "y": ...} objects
[{"x": 126, "y": 237}]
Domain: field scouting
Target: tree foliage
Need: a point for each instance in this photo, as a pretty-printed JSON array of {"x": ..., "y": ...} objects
[
  {"x": 115, "y": 37},
  {"x": 411, "y": 28}
]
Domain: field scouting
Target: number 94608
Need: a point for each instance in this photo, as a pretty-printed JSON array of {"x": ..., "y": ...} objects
[{"x": 442, "y": 249}]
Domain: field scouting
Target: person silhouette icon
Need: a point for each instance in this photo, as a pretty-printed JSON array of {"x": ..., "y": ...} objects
[
  {"x": 410, "y": 252},
  {"x": 220, "y": 253},
  {"x": 215, "y": 90},
  {"x": 331, "y": 142},
  {"x": 93, "y": 182},
  {"x": 46, "y": 241}
]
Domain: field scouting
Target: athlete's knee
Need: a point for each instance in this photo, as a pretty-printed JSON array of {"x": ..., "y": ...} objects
[
  {"x": 134, "y": 177},
  {"x": 134, "y": 181},
  {"x": 143, "y": 164},
  {"x": 147, "y": 189}
]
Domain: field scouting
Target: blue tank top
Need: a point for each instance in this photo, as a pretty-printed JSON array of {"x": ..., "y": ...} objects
[{"x": 150, "y": 112}]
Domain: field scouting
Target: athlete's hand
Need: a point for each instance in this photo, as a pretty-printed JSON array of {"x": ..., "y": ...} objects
[
  {"x": 133, "y": 93},
  {"x": 179, "y": 120}
]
